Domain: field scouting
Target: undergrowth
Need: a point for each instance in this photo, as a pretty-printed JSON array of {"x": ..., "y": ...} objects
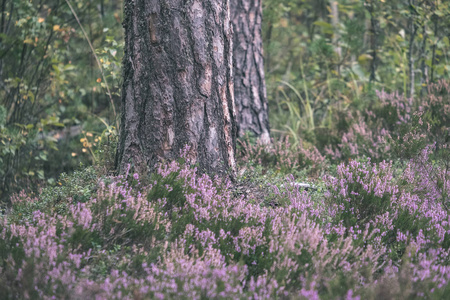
[{"x": 363, "y": 218}]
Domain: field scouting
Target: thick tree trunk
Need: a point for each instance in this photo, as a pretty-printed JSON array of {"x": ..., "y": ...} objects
[
  {"x": 249, "y": 83},
  {"x": 178, "y": 84}
]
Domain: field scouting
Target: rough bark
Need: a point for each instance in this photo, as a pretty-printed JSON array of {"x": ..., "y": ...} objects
[
  {"x": 249, "y": 82},
  {"x": 178, "y": 84}
]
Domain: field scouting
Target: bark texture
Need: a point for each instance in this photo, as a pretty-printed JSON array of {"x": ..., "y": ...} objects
[
  {"x": 249, "y": 82},
  {"x": 178, "y": 84}
]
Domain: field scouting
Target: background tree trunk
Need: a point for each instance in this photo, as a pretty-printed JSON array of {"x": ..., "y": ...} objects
[
  {"x": 249, "y": 82},
  {"x": 178, "y": 84}
]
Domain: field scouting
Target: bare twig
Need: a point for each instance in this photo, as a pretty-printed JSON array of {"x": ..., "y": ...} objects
[{"x": 98, "y": 61}]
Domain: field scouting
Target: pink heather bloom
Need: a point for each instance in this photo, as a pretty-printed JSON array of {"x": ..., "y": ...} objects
[{"x": 213, "y": 244}]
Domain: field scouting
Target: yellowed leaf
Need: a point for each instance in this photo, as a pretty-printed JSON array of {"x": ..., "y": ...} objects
[{"x": 283, "y": 22}]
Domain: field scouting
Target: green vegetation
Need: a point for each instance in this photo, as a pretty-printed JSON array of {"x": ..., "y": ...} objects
[{"x": 359, "y": 104}]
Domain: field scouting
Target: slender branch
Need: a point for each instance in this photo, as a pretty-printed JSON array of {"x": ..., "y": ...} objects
[{"x": 97, "y": 60}]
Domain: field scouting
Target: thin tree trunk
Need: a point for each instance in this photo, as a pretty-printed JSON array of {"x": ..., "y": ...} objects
[
  {"x": 374, "y": 29},
  {"x": 335, "y": 21},
  {"x": 178, "y": 85},
  {"x": 433, "y": 56},
  {"x": 412, "y": 36},
  {"x": 423, "y": 57},
  {"x": 249, "y": 81},
  {"x": 412, "y": 73}
]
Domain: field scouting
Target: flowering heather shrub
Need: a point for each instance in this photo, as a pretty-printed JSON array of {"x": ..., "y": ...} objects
[
  {"x": 360, "y": 193},
  {"x": 186, "y": 236},
  {"x": 281, "y": 156},
  {"x": 395, "y": 126},
  {"x": 365, "y": 196},
  {"x": 436, "y": 109},
  {"x": 360, "y": 140},
  {"x": 76, "y": 187}
]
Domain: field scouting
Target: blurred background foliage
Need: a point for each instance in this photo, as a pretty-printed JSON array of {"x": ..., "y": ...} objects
[
  {"x": 324, "y": 62},
  {"x": 326, "y": 59},
  {"x": 54, "y": 109}
]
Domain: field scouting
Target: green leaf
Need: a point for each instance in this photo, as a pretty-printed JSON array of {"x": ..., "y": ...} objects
[
  {"x": 43, "y": 156},
  {"x": 40, "y": 174},
  {"x": 326, "y": 27}
]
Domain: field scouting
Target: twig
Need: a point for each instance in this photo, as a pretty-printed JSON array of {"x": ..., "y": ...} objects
[{"x": 97, "y": 60}]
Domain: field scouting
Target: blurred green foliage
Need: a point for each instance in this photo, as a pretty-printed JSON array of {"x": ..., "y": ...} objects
[
  {"x": 51, "y": 91},
  {"x": 326, "y": 59}
]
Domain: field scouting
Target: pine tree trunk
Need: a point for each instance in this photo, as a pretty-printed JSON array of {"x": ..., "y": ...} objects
[
  {"x": 178, "y": 84},
  {"x": 249, "y": 82}
]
